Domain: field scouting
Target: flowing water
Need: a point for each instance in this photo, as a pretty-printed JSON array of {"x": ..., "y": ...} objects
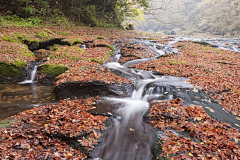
[
  {"x": 17, "y": 97},
  {"x": 232, "y": 44},
  {"x": 32, "y": 76},
  {"x": 129, "y": 137}
]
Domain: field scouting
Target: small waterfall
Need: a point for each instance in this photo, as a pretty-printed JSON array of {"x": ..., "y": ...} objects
[
  {"x": 130, "y": 71},
  {"x": 117, "y": 54},
  {"x": 33, "y": 73},
  {"x": 32, "y": 76}
]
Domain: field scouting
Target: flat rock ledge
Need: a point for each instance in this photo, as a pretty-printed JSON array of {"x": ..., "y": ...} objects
[{"x": 74, "y": 90}]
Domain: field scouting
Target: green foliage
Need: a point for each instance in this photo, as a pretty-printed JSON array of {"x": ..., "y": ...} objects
[
  {"x": 9, "y": 70},
  {"x": 99, "y": 13},
  {"x": 36, "y": 21},
  {"x": 105, "y": 24},
  {"x": 130, "y": 9},
  {"x": 52, "y": 69},
  {"x": 15, "y": 21},
  {"x": 90, "y": 16}
]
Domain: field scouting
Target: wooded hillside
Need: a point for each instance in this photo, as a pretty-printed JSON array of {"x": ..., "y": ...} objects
[
  {"x": 105, "y": 13},
  {"x": 196, "y": 16}
]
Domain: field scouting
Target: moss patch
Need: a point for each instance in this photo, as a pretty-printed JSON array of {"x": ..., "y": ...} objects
[
  {"x": 52, "y": 69},
  {"x": 8, "y": 38},
  {"x": 97, "y": 60},
  {"x": 20, "y": 64},
  {"x": 10, "y": 70},
  {"x": 100, "y": 37},
  {"x": 7, "y": 123},
  {"x": 111, "y": 47},
  {"x": 17, "y": 37},
  {"x": 176, "y": 62},
  {"x": 42, "y": 34}
]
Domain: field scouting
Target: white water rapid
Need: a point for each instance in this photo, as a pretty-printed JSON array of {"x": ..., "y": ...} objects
[{"x": 130, "y": 138}]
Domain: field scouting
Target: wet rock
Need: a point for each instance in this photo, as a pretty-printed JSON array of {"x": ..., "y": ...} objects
[
  {"x": 192, "y": 96},
  {"x": 78, "y": 89},
  {"x": 46, "y": 80},
  {"x": 105, "y": 108},
  {"x": 157, "y": 73}
]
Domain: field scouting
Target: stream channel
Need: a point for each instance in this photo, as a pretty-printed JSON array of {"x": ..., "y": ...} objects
[
  {"x": 128, "y": 114},
  {"x": 17, "y": 97}
]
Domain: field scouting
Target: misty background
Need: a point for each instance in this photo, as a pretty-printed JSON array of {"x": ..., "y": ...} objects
[{"x": 191, "y": 17}]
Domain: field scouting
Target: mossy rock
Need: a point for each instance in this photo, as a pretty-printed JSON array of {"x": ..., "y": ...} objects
[
  {"x": 11, "y": 70},
  {"x": 20, "y": 64},
  {"x": 52, "y": 69}
]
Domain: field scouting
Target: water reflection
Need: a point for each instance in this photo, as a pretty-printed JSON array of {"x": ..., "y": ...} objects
[{"x": 15, "y": 98}]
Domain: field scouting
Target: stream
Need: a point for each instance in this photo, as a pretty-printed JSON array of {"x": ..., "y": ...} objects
[
  {"x": 17, "y": 97},
  {"x": 232, "y": 44},
  {"x": 128, "y": 136}
]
